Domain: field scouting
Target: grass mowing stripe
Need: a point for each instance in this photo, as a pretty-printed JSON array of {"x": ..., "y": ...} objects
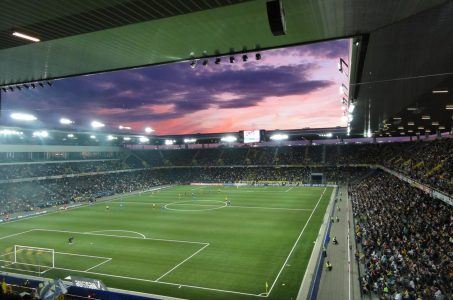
[
  {"x": 247, "y": 243},
  {"x": 297, "y": 240},
  {"x": 177, "y": 266}
]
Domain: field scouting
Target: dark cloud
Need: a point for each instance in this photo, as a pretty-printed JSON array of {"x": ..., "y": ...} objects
[{"x": 129, "y": 94}]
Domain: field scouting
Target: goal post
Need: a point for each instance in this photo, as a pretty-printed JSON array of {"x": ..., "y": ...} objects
[{"x": 34, "y": 256}]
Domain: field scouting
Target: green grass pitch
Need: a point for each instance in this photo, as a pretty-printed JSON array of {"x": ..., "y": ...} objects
[{"x": 175, "y": 244}]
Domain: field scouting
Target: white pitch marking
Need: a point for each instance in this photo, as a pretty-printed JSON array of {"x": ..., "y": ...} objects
[
  {"x": 161, "y": 282},
  {"x": 177, "y": 266},
  {"x": 100, "y": 264},
  {"x": 289, "y": 189},
  {"x": 276, "y": 208},
  {"x": 295, "y": 243},
  {"x": 117, "y": 230},
  {"x": 122, "y": 236},
  {"x": 19, "y": 233}
]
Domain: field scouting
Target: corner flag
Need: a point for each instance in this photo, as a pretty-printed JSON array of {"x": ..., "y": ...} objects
[{"x": 267, "y": 286}]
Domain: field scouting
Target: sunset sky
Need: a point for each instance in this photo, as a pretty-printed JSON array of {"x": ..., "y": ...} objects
[{"x": 289, "y": 88}]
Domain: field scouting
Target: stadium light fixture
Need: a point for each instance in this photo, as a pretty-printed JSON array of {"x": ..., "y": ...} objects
[
  {"x": 400, "y": 127},
  {"x": 279, "y": 137},
  {"x": 441, "y": 127},
  {"x": 97, "y": 124},
  {"x": 92, "y": 137},
  {"x": 440, "y": 91},
  {"x": 10, "y": 132},
  {"x": 169, "y": 142},
  {"x": 426, "y": 117},
  {"x": 229, "y": 139},
  {"x": 26, "y": 36},
  {"x": 66, "y": 121},
  {"x": 396, "y": 118},
  {"x": 188, "y": 141},
  {"x": 340, "y": 65},
  {"x": 149, "y": 130},
  {"x": 410, "y": 123},
  {"x": 143, "y": 139},
  {"x": 121, "y": 127},
  {"x": 41, "y": 134},
  {"x": 23, "y": 117},
  {"x": 111, "y": 137},
  {"x": 126, "y": 138},
  {"x": 70, "y": 135},
  {"x": 435, "y": 123},
  {"x": 343, "y": 89},
  {"x": 329, "y": 134}
]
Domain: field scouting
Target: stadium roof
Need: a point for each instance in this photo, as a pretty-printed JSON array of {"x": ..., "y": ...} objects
[{"x": 398, "y": 39}]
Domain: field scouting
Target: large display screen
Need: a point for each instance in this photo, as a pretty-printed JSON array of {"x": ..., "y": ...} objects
[{"x": 251, "y": 136}]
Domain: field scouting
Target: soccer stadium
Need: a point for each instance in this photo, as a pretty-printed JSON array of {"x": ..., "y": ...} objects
[{"x": 226, "y": 149}]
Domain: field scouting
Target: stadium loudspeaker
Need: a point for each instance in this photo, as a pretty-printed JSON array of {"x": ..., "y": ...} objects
[{"x": 276, "y": 17}]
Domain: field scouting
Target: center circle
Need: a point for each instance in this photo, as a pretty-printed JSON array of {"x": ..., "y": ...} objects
[{"x": 198, "y": 205}]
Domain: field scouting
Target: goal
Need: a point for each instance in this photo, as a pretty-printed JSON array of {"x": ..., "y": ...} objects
[{"x": 34, "y": 256}]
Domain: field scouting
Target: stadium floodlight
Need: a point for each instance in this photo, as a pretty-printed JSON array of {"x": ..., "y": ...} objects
[
  {"x": 126, "y": 138},
  {"x": 328, "y": 135},
  {"x": 10, "y": 132},
  {"x": 111, "y": 137},
  {"x": 97, "y": 124},
  {"x": 66, "y": 121},
  {"x": 92, "y": 137},
  {"x": 441, "y": 127},
  {"x": 23, "y": 117},
  {"x": 70, "y": 135},
  {"x": 229, "y": 139},
  {"x": 435, "y": 123},
  {"x": 143, "y": 139},
  {"x": 440, "y": 91},
  {"x": 40, "y": 134},
  {"x": 426, "y": 117},
  {"x": 191, "y": 140},
  {"x": 396, "y": 118},
  {"x": 410, "y": 123},
  {"x": 26, "y": 36},
  {"x": 121, "y": 127},
  {"x": 169, "y": 142},
  {"x": 149, "y": 130},
  {"x": 279, "y": 137}
]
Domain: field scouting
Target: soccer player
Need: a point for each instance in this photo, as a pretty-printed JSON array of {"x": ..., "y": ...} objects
[
  {"x": 71, "y": 240},
  {"x": 107, "y": 207}
]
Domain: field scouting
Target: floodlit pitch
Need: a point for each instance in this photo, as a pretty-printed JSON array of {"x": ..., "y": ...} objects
[{"x": 196, "y": 242}]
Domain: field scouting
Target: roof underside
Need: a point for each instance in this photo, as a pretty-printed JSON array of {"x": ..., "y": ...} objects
[{"x": 404, "y": 39}]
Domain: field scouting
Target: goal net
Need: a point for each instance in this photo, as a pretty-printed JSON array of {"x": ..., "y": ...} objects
[{"x": 33, "y": 257}]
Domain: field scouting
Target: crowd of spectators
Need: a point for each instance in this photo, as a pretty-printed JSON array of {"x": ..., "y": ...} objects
[
  {"x": 41, "y": 194},
  {"x": 406, "y": 239},
  {"x": 430, "y": 162},
  {"x": 27, "y": 170}
]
